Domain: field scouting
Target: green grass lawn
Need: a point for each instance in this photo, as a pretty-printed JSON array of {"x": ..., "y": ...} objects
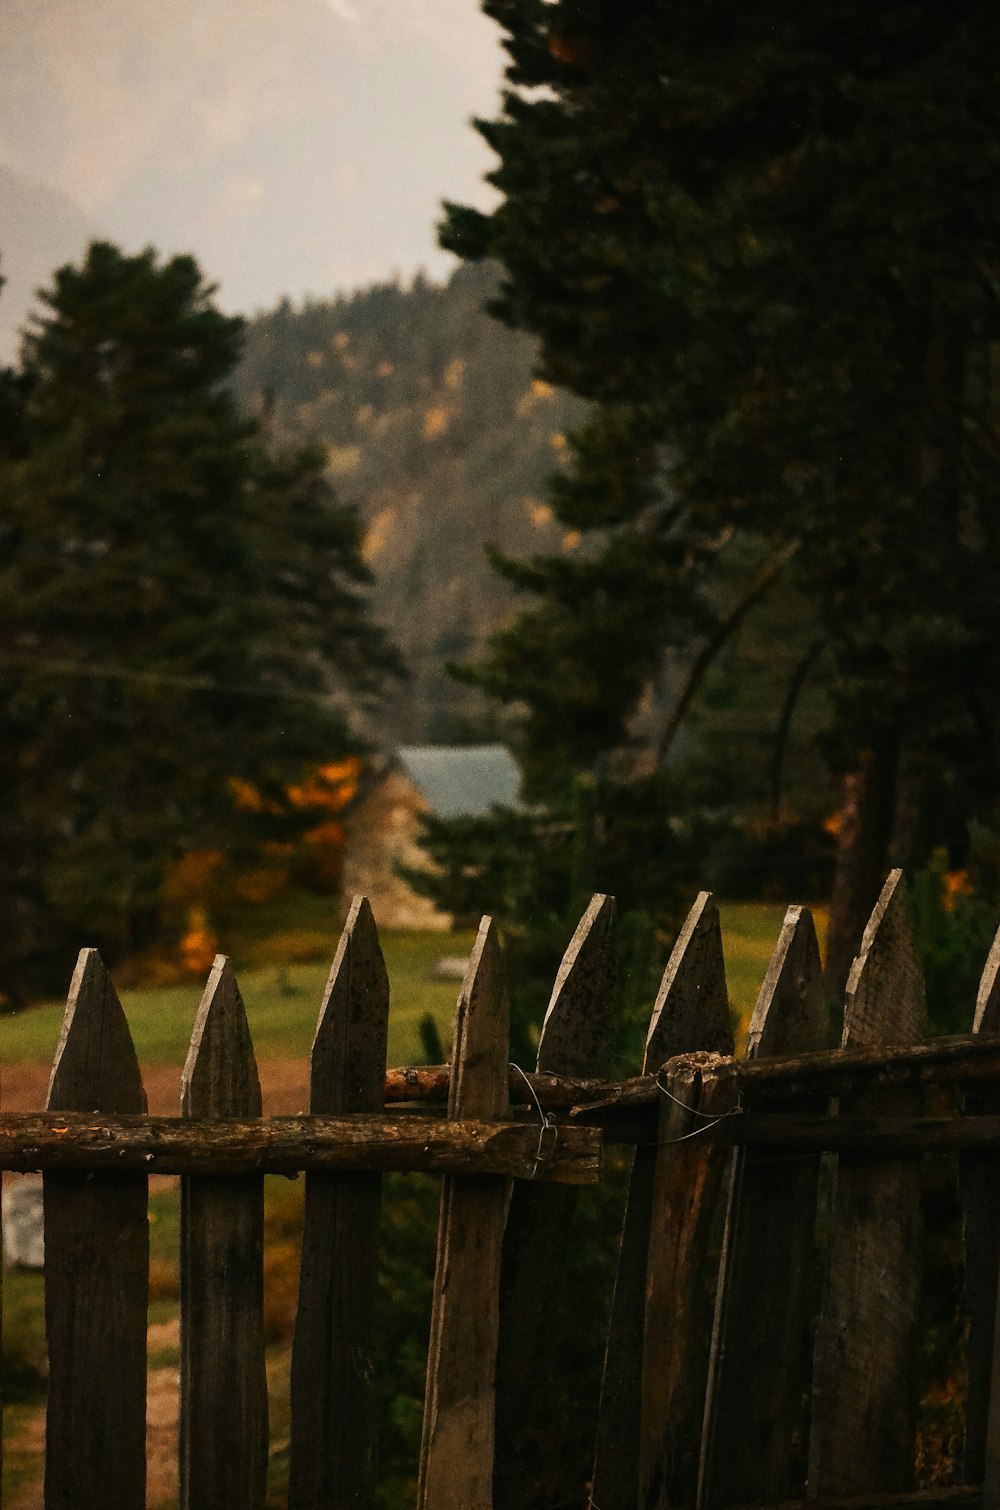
[
  {"x": 282, "y": 1000},
  {"x": 282, "y": 1004},
  {"x": 749, "y": 933}
]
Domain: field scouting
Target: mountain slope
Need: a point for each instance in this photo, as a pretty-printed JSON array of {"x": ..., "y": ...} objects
[{"x": 435, "y": 428}]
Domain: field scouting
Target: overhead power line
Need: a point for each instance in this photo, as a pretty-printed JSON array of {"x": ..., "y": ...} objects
[{"x": 50, "y": 666}]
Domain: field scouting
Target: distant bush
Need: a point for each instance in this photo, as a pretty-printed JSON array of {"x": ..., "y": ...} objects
[{"x": 954, "y": 924}]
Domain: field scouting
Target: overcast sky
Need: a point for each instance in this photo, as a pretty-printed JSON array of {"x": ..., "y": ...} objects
[{"x": 295, "y": 146}]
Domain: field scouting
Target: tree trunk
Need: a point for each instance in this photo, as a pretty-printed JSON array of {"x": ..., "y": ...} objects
[
  {"x": 866, "y": 821},
  {"x": 912, "y": 835}
]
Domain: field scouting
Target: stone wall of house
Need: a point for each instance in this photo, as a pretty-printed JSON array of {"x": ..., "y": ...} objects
[{"x": 380, "y": 834}]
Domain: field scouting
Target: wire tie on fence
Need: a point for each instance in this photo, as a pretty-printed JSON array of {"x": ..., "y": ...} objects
[
  {"x": 683, "y": 1137},
  {"x": 547, "y": 1119},
  {"x": 710, "y": 1119},
  {"x": 733, "y": 1111}
]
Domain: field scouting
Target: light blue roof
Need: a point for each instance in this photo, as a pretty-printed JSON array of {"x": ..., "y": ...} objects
[{"x": 462, "y": 781}]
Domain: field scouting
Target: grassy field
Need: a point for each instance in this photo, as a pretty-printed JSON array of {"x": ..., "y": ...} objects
[
  {"x": 749, "y": 933},
  {"x": 282, "y": 1000},
  {"x": 282, "y": 1003}
]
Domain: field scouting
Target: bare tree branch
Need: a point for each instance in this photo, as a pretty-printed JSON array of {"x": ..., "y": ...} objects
[{"x": 725, "y": 628}]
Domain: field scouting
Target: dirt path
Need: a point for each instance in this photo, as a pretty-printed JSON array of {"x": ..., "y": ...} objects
[
  {"x": 284, "y": 1084},
  {"x": 162, "y": 1396}
]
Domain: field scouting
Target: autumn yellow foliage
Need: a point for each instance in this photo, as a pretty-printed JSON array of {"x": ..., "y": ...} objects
[
  {"x": 435, "y": 422},
  {"x": 202, "y": 883}
]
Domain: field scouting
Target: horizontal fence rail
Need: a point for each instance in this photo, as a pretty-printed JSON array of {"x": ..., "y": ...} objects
[
  {"x": 285, "y": 1145},
  {"x": 763, "y": 1324}
]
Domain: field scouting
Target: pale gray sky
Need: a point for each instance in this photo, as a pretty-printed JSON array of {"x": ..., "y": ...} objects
[{"x": 295, "y": 146}]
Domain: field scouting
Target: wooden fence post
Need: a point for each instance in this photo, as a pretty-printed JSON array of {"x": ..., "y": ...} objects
[
  {"x": 574, "y": 1040},
  {"x": 862, "y": 1435},
  {"x": 223, "y": 1421},
  {"x": 691, "y": 1013},
  {"x": 753, "y": 1412},
  {"x": 96, "y": 1271},
  {"x": 456, "y": 1461},
  {"x": 979, "y": 1182},
  {"x": 331, "y": 1449},
  {"x": 698, "y": 1090}
]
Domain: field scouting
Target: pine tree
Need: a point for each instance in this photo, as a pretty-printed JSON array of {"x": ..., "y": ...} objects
[
  {"x": 182, "y": 613},
  {"x": 763, "y": 242}
]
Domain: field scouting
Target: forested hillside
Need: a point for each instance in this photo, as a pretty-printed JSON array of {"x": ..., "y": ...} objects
[{"x": 434, "y": 427}]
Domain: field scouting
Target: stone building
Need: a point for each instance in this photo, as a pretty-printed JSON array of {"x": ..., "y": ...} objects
[{"x": 382, "y": 829}]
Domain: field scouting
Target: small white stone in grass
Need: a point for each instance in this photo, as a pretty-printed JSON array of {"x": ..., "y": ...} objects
[
  {"x": 451, "y": 967},
  {"x": 23, "y": 1224}
]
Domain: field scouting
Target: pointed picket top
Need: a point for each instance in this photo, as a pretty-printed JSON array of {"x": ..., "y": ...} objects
[
  {"x": 349, "y": 1048},
  {"x": 790, "y": 1016},
  {"x": 95, "y": 1067},
  {"x": 884, "y": 1000},
  {"x": 692, "y": 1005},
  {"x": 987, "y": 1017},
  {"x": 576, "y": 1032},
  {"x": 482, "y": 1034},
  {"x": 220, "y": 1072}
]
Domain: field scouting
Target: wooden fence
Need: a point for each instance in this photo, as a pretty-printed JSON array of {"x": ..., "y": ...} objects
[{"x": 807, "y": 1158}]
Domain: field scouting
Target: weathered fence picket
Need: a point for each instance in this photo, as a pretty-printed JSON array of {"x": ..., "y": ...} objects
[
  {"x": 331, "y": 1445},
  {"x": 692, "y": 1416},
  {"x": 753, "y": 1415},
  {"x": 223, "y": 1409},
  {"x": 96, "y": 1271},
  {"x": 979, "y": 1182},
  {"x": 574, "y": 1041},
  {"x": 456, "y": 1460},
  {"x": 691, "y": 1012},
  {"x": 863, "y": 1420},
  {"x": 676, "y": 1324}
]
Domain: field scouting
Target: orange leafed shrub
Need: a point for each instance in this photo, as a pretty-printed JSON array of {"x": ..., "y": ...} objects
[
  {"x": 329, "y": 786},
  {"x": 436, "y": 422},
  {"x": 198, "y": 945},
  {"x": 200, "y": 886},
  {"x": 246, "y": 796},
  {"x": 954, "y": 884}
]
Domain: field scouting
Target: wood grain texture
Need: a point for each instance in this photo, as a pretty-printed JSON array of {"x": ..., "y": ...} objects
[
  {"x": 969, "y": 1497},
  {"x": 979, "y": 1184},
  {"x": 223, "y": 1425},
  {"x": 863, "y": 1423},
  {"x": 96, "y": 1271},
  {"x": 360, "y": 1142},
  {"x": 875, "y": 1134},
  {"x": 752, "y": 1448},
  {"x": 331, "y": 1464},
  {"x": 457, "y": 1452},
  {"x": 677, "y": 1323},
  {"x": 991, "y": 1465},
  {"x": 576, "y": 1032},
  {"x": 783, "y": 1080},
  {"x": 945, "y": 1060},
  {"x": 531, "y": 1460},
  {"x": 691, "y": 1012}
]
